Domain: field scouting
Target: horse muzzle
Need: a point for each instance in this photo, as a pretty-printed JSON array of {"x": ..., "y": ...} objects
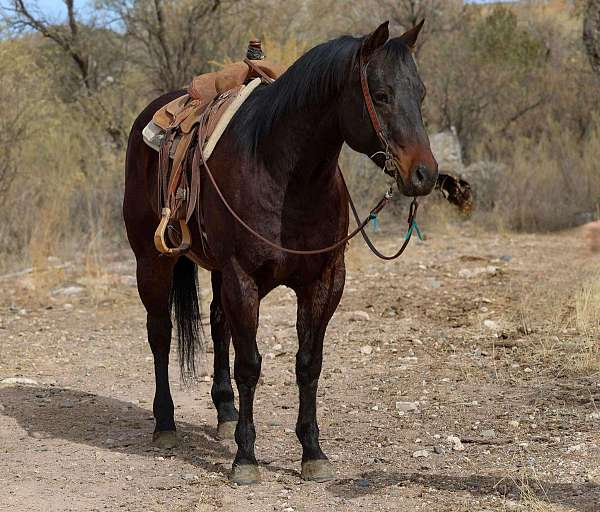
[{"x": 420, "y": 180}]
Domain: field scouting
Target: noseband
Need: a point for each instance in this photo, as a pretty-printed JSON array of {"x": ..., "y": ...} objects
[{"x": 391, "y": 166}]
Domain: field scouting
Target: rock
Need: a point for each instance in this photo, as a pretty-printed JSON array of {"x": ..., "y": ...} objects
[
  {"x": 18, "y": 381},
  {"x": 446, "y": 148},
  {"x": 421, "y": 453},
  {"x": 592, "y": 236},
  {"x": 594, "y": 416},
  {"x": 470, "y": 273},
  {"x": 129, "y": 478},
  {"x": 438, "y": 450},
  {"x": 190, "y": 477},
  {"x": 488, "y": 434},
  {"x": 362, "y": 482},
  {"x": 358, "y": 316},
  {"x": 407, "y": 406},
  {"x": 575, "y": 448},
  {"x": 67, "y": 404},
  {"x": 491, "y": 325},
  {"x": 457, "y": 445},
  {"x": 390, "y": 312},
  {"x": 366, "y": 350},
  {"x": 67, "y": 290}
]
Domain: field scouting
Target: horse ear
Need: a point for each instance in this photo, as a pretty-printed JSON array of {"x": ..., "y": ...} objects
[
  {"x": 409, "y": 38},
  {"x": 376, "y": 39}
]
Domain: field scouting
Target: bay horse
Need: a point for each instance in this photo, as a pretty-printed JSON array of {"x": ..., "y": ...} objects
[{"x": 276, "y": 164}]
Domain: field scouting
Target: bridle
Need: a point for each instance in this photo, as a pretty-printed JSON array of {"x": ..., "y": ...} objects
[{"x": 391, "y": 167}]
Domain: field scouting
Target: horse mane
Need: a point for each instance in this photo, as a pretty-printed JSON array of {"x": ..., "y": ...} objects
[{"x": 313, "y": 79}]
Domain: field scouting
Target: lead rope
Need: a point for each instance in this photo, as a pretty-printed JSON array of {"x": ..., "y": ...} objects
[{"x": 412, "y": 225}]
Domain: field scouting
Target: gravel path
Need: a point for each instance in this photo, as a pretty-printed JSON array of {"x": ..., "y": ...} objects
[{"x": 454, "y": 380}]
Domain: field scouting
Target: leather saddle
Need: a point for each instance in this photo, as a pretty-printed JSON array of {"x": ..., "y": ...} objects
[{"x": 191, "y": 124}]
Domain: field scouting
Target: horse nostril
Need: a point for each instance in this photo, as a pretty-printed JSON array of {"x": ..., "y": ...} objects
[{"x": 419, "y": 176}]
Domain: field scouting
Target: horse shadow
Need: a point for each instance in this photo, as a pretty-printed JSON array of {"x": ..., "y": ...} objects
[{"x": 112, "y": 424}]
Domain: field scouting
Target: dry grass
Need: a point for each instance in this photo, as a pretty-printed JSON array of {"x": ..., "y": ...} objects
[
  {"x": 550, "y": 184},
  {"x": 587, "y": 322},
  {"x": 533, "y": 497},
  {"x": 587, "y": 307}
]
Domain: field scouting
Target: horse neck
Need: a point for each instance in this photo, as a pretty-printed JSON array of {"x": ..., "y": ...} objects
[{"x": 303, "y": 147}]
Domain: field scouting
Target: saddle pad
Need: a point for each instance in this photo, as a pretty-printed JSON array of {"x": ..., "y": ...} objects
[{"x": 154, "y": 135}]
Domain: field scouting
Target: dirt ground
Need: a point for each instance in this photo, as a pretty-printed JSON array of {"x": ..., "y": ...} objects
[{"x": 469, "y": 335}]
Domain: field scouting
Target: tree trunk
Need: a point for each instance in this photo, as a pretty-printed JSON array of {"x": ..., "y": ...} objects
[{"x": 591, "y": 33}]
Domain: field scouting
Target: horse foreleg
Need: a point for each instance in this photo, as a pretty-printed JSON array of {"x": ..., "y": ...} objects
[
  {"x": 316, "y": 304},
  {"x": 154, "y": 277},
  {"x": 221, "y": 392},
  {"x": 241, "y": 301}
]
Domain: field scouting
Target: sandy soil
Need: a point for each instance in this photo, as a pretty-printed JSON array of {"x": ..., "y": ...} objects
[{"x": 476, "y": 331}]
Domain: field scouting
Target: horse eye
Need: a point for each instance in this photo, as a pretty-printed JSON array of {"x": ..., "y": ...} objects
[{"x": 380, "y": 97}]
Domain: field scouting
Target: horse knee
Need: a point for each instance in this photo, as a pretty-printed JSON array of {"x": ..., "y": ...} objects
[
  {"x": 308, "y": 368},
  {"x": 247, "y": 370}
]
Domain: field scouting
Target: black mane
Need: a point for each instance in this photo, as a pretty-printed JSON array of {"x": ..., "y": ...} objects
[{"x": 315, "y": 77}]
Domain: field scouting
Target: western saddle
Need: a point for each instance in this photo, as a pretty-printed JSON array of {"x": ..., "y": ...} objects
[{"x": 186, "y": 131}]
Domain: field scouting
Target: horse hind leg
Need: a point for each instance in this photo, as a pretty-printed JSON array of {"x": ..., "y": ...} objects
[
  {"x": 154, "y": 277},
  {"x": 221, "y": 392}
]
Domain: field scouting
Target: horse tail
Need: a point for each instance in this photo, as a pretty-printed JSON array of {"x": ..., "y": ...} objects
[{"x": 183, "y": 301}]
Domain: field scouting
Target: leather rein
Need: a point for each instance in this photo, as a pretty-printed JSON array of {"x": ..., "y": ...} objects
[{"x": 391, "y": 167}]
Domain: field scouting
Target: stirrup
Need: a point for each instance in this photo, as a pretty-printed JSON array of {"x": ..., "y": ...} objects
[{"x": 159, "y": 236}]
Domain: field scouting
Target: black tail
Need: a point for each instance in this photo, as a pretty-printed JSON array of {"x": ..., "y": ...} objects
[{"x": 184, "y": 304}]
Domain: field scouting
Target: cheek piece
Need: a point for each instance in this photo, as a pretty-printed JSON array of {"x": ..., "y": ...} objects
[{"x": 391, "y": 166}]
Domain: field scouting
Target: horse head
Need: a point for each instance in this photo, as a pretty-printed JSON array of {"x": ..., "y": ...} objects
[{"x": 387, "y": 88}]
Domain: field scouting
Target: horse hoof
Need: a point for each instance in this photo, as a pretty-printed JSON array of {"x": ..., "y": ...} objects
[
  {"x": 245, "y": 474},
  {"x": 226, "y": 430},
  {"x": 165, "y": 439},
  {"x": 319, "y": 470}
]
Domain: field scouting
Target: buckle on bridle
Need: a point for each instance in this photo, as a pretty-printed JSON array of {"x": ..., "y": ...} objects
[
  {"x": 390, "y": 164},
  {"x": 390, "y": 167}
]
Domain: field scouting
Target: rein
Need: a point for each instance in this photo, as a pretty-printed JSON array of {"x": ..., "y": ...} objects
[{"x": 391, "y": 167}]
